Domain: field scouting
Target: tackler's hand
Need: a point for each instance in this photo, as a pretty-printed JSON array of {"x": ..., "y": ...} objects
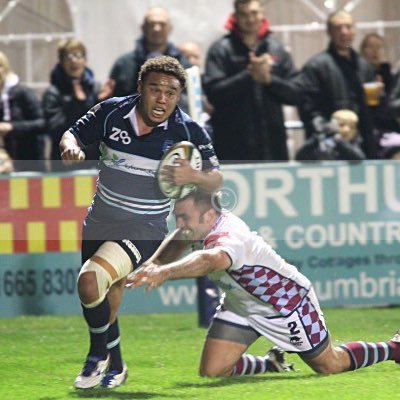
[{"x": 151, "y": 276}]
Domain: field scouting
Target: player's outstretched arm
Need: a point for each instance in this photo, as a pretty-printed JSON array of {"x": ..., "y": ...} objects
[
  {"x": 198, "y": 263},
  {"x": 171, "y": 247}
]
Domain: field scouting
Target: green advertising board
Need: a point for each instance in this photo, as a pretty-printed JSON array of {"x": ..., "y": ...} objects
[
  {"x": 338, "y": 223},
  {"x": 46, "y": 284}
]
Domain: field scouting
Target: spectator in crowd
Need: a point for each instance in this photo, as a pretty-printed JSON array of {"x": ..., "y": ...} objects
[
  {"x": 247, "y": 80},
  {"x": 21, "y": 120},
  {"x": 337, "y": 140},
  {"x": 156, "y": 28},
  {"x": 193, "y": 53},
  {"x": 390, "y": 141},
  {"x": 333, "y": 80},
  {"x": 72, "y": 92},
  {"x": 6, "y": 164},
  {"x": 264, "y": 296},
  {"x": 372, "y": 48}
]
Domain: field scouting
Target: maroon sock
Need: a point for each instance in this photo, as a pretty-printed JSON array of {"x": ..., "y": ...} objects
[
  {"x": 363, "y": 354},
  {"x": 251, "y": 365}
]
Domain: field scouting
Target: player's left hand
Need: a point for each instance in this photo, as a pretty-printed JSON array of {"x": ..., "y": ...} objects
[{"x": 181, "y": 173}]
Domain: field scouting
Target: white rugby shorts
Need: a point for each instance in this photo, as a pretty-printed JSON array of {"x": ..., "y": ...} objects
[{"x": 303, "y": 331}]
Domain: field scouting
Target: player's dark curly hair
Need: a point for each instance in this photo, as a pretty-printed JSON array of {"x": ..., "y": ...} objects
[{"x": 164, "y": 64}]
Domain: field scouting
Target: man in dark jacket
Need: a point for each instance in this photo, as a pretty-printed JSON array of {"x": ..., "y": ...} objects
[
  {"x": 333, "y": 80},
  {"x": 156, "y": 28},
  {"x": 247, "y": 80}
]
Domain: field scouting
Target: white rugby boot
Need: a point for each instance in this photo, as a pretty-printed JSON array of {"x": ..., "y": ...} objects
[{"x": 92, "y": 373}]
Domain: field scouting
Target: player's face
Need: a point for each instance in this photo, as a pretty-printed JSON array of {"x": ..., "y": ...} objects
[
  {"x": 249, "y": 17},
  {"x": 192, "y": 218},
  {"x": 74, "y": 63},
  {"x": 342, "y": 31},
  {"x": 160, "y": 95}
]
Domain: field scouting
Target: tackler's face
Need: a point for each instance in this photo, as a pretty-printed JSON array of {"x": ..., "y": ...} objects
[
  {"x": 193, "y": 220},
  {"x": 160, "y": 95}
]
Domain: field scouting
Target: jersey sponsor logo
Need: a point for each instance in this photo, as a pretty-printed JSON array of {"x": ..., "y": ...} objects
[
  {"x": 123, "y": 164},
  {"x": 120, "y": 135},
  {"x": 133, "y": 249}
]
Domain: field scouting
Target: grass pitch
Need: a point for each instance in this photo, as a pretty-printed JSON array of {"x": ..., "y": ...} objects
[{"x": 42, "y": 355}]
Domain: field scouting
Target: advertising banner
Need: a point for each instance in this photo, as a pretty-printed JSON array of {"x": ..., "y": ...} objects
[
  {"x": 40, "y": 231},
  {"x": 338, "y": 223}
]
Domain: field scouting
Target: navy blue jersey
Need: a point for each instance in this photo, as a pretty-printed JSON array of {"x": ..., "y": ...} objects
[{"x": 127, "y": 187}]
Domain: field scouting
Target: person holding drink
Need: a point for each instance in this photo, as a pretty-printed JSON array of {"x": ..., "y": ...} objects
[{"x": 333, "y": 80}]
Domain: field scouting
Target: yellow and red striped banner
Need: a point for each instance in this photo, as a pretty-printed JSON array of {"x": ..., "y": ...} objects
[{"x": 43, "y": 213}]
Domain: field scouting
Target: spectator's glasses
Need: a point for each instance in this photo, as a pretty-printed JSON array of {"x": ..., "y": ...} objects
[{"x": 74, "y": 56}]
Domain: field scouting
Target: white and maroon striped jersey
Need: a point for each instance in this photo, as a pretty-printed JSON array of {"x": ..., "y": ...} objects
[{"x": 259, "y": 281}]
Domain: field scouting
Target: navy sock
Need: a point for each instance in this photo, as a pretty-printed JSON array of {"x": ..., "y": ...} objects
[
  {"x": 113, "y": 346},
  {"x": 98, "y": 319}
]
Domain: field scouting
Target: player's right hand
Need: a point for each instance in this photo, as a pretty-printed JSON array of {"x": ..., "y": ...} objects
[
  {"x": 150, "y": 276},
  {"x": 72, "y": 155}
]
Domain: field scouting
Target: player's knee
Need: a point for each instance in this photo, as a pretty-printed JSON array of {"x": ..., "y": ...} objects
[
  {"x": 325, "y": 369},
  {"x": 108, "y": 265},
  {"x": 212, "y": 372},
  {"x": 87, "y": 287}
]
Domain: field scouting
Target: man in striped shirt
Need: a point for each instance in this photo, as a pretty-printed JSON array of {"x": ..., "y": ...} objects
[{"x": 126, "y": 221}]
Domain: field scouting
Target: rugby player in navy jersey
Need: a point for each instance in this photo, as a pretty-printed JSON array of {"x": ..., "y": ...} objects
[
  {"x": 126, "y": 221},
  {"x": 264, "y": 296}
]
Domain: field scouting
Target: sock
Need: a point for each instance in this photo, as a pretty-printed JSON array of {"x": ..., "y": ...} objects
[
  {"x": 251, "y": 365},
  {"x": 98, "y": 319},
  {"x": 363, "y": 354},
  {"x": 113, "y": 346}
]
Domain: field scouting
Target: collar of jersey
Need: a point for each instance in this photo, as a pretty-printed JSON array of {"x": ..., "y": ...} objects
[{"x": 133, "y": 119}]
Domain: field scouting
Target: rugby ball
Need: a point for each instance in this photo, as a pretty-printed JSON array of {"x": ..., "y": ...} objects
[{"x": 187, "y": 151}]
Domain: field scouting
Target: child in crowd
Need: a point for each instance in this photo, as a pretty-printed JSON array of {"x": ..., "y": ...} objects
[{"x": 337, "y": 139}]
